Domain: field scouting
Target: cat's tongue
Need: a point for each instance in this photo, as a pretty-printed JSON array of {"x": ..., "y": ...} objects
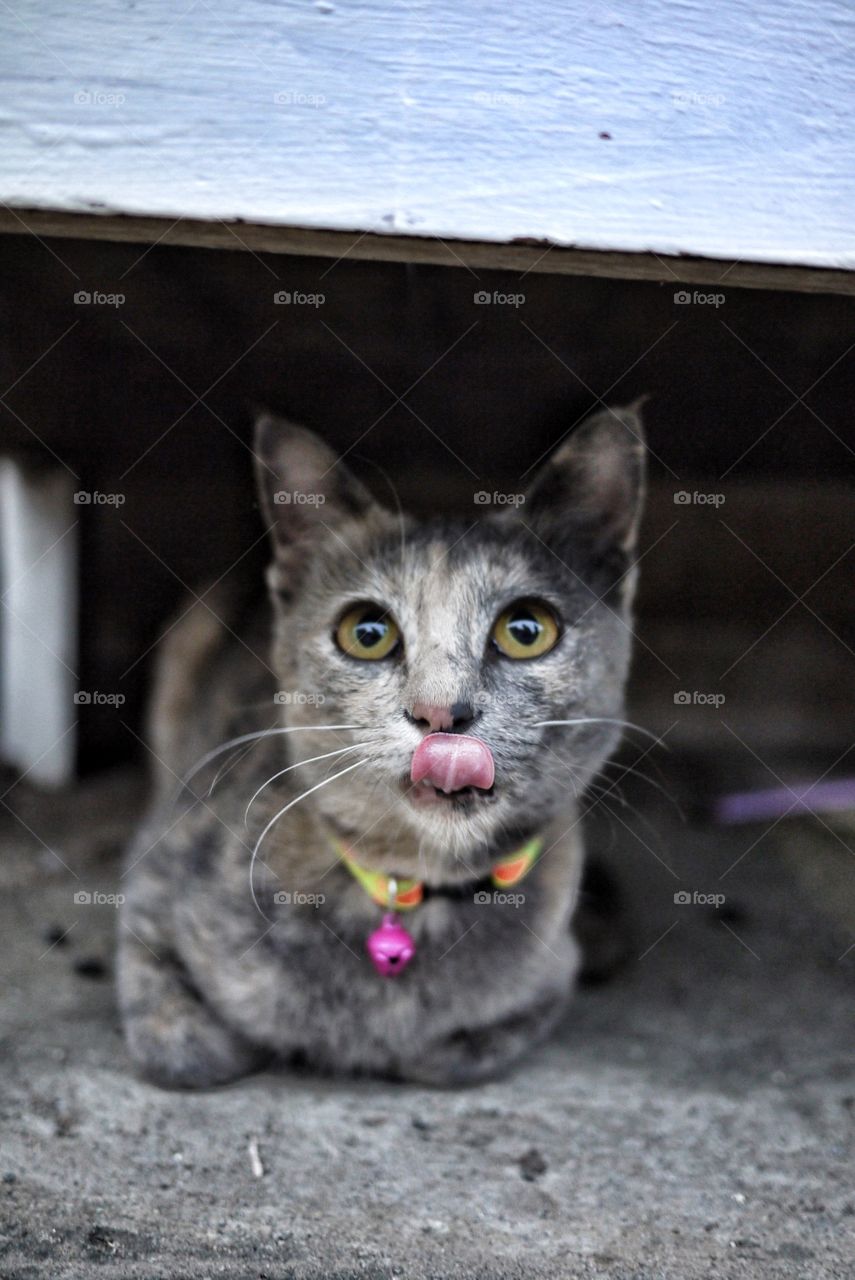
[{"x": 451, "y": 761}]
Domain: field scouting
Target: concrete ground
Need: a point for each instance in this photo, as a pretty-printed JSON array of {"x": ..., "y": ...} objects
[{"x": 692, "y": 1118}]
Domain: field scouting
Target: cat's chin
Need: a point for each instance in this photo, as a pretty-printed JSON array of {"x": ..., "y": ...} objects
[{"x": 454, "y": 824}]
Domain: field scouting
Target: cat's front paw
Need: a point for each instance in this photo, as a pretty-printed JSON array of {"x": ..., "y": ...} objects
[
  {"x": 174, "y": 1038},
  {"x": 471, "y": 1056},
  {"x": 187, "y": 1048}
]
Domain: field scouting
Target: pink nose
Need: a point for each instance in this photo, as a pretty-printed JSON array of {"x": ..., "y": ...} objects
[{"x": 438, "y": 719}]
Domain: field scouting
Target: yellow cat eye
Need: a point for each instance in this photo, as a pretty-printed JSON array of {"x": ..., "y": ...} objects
[
  {"x": 525, "y": 630},
  {"x": 368, "y": 632}
]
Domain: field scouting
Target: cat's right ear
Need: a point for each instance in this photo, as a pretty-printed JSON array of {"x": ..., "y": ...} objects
[{"x": 305, "y": 492}]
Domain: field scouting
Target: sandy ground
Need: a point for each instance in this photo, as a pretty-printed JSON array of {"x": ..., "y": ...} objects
[{"x": 692, "y": 1118}]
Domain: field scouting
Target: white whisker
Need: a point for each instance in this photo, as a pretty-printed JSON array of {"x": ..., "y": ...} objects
[
  {"x": 224, "y": 768},
  {"x": 290, "y": 805},
  {"x": 253, "y": 737},
  {"x": 638, "y": 773},
  {"x": 311, "y": 760},
  {"x": 625, "y": 724}
]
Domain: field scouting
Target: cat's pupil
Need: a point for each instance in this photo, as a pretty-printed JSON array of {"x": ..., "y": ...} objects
[
  {"x": 524, "y": 628},
  {"x": 370, "y": 631}
]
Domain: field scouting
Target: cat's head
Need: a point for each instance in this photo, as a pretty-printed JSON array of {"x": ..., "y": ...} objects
[{"x": 488, "y": 625}]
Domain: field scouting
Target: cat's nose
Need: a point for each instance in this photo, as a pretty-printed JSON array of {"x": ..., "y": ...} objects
[{"x": 455, "y": 718}]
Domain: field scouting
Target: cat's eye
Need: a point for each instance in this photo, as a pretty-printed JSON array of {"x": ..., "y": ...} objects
[
  {"x": 527, "y": 629},
  {"x": 367, "y": 631}
]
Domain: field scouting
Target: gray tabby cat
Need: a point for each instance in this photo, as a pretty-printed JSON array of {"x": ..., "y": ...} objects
[{"x": 445, "y": 696}]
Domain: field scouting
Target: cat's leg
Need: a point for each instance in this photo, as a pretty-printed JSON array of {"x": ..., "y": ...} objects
[
  {"x": 175, "y": 1039},
  {"x": 472, "y": 1055}
]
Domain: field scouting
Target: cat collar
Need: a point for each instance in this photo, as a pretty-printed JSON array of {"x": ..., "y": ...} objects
[{"x": 391, "y": 947}]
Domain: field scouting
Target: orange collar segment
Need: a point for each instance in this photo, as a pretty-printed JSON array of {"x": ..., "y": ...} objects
[{"x": 409, "y": 893}]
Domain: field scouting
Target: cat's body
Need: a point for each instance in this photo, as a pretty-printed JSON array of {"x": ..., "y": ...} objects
[{"x": 218, "y": 973}]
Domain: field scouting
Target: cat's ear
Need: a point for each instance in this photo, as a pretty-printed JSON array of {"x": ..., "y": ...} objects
[
  {"x": 590, "y": 492},
  {"x": 304, "y": 490}
]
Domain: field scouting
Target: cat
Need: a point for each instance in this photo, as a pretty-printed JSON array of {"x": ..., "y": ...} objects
[{"x": 438, "y": 697}]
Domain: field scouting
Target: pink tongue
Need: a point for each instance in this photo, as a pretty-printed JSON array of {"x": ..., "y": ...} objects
[{"x": 451, "y": 761}]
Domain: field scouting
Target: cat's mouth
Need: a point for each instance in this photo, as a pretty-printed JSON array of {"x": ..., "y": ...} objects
[
  {"x": 451, "y": 769},
  {"x": 424, "y": 795}
]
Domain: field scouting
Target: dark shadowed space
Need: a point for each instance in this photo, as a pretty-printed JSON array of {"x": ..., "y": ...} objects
[{"x": 694, "y": 1115}]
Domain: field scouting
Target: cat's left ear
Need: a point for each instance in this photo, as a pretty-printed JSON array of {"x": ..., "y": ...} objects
[
  {"x": 589, "y": 494},
  {"x": 305, "y": 493}
]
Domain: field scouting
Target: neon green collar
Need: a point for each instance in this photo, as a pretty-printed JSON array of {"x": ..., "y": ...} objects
[{"x": 409, "y": 893}]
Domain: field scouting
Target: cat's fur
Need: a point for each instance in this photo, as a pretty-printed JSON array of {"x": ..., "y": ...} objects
[{"x": 209, "y": 986}]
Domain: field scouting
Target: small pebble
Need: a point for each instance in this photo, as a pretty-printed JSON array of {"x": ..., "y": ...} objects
[
  {"x": 90, "y": 967},
  {"x": 10, "y": 1177},
  {"x": 532, "y": 1165}
]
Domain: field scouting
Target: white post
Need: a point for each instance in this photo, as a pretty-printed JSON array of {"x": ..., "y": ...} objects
[{"x": 38, "y": 621}]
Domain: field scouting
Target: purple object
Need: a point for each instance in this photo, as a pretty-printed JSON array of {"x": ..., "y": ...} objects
[
  {"x": 390, "y": 947},
  {"x": 777, "y": 802}
]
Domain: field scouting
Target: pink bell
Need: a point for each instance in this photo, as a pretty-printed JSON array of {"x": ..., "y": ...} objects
[{"x": 390, "y": 947}]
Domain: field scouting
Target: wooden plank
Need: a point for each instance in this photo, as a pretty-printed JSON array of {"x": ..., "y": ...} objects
[
  {"x": 621, "y": 133},
  {"x": 472, "y": 255}
]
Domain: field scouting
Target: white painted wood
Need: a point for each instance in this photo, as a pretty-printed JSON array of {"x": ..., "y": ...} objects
[
  {"x": 38, "y": 622},
  {"x": 729, "y": 123}
]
